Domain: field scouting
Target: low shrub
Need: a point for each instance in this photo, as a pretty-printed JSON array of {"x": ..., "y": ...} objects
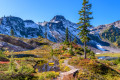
[
  {"x": 61, "y": 61},
  {"x": 117, "y": 61},
  {"x": 75, "y": 60},
  {"x": 64, "y": 68},
  {"x": 41, "y": 77},
  {"x": 24, "y": 69},
  {"x": 66, "y": 42},
  {"x": 63, "y": 48},
  {"x": 4, "y": 67},
  {"x": 48, "y": 75}
]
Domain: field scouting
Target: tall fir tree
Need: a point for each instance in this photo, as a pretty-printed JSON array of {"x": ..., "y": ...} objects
[
  {"x": 12, "y": 32},
  {"x": 66, "y": 36},
  {"x": 45, "y": 34},
  {"x": 85, "y": 21}
]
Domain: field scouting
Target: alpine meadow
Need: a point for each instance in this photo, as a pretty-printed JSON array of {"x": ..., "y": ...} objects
[{"x": 59, "y": 40}]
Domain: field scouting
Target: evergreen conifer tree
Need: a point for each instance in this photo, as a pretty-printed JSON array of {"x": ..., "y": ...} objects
[
  {"x": 45, "y": 34},
  {"x": 85, "y": 21},
  {"x": 66, "y": 36},
  {"x": 71, "y": 49},
  {"x": 12, "y": 32}
]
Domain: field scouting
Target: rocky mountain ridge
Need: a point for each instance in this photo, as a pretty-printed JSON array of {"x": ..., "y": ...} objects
[
  {"x": 101, "y": 28},
  {"x": 55, "y": 29}
]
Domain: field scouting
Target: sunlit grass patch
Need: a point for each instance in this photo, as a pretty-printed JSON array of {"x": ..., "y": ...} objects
[
  {"x": 109, "y": 54},
  {"x": 61, "y": 61},
  {"x": 40, "y": 52},
  {"x": 64, "y": 68},
  {"x": 29, "y": 59},
  {"x": 47, "y": 75}
]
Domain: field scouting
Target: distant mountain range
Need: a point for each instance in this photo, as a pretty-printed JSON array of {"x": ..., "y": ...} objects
[
  {"x": 55, "y": 29},
  {"x": 101, "y": 28}
]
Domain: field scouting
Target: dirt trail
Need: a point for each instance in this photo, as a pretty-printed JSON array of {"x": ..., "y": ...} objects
[{"x": 72, "y": 71}]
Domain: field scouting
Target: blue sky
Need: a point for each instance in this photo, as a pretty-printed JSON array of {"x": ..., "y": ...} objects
[{"x": 104, "y": 11}]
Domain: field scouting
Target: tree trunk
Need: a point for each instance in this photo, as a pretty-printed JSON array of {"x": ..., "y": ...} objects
[
  {"x": 85, "y": 50},
  {"x": 85, "y": 35}
]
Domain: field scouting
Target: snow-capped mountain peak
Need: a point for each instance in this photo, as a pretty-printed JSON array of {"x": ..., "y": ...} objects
[{"x": 58, "y": 18}]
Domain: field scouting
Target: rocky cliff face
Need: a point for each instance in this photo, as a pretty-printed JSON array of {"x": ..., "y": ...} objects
[
  {"x": 56, "y": 28},
  {"x": 20, "y": 27}
]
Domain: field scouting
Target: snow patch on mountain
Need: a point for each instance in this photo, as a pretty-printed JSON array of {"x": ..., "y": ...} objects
[
  {"x": 97, "y": 45},
  {"x": 100, "y": 47}
]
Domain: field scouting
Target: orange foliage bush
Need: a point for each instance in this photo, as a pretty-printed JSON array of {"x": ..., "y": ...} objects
[
  {"x": 75, "y": 46},
  {"x": 66, "y": 55}
]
